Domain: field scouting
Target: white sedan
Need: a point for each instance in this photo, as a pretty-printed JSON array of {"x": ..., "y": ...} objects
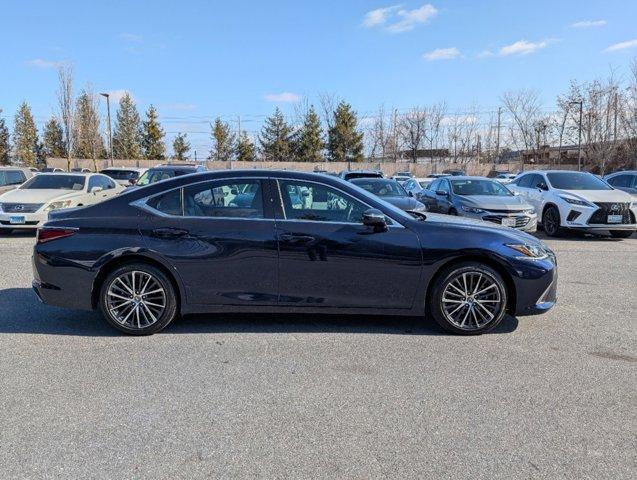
[
  {"x": 416, "y": 185},
  {"x": 577, "y": 201},
  {"x": 28, "y": 206}
]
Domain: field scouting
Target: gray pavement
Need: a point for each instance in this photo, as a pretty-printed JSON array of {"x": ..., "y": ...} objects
[{"x": 269, "y": 396}]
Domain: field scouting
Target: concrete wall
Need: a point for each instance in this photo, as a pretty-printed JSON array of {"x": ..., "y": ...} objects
[{"x": 418, "y": 169}]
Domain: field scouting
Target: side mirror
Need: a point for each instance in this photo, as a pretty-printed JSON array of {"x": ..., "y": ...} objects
[
  {"x": 132, "y": 181},
  {"x": 517, "y": 194},
  {"x": 442, "y": 193},
  {"x": 95, "y": 190},
  {"x": 411, "y": 194},
  {"x": 542, "y": 186},
  {"x": 376, "y": 219}
]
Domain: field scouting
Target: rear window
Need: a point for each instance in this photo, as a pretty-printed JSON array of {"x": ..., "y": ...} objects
[
  {"x": 55, "y": 181},
  {"x": 121, "y": 174},
  {"x": 576, "y": 181},
  {"x": 11, "y": 177}
]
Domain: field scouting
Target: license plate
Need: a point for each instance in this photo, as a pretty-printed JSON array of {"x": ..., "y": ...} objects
[
  {"x": 16, "y": 220},
  {"x": 615, "y": 218},
  {"x": 508, "y": 222}
]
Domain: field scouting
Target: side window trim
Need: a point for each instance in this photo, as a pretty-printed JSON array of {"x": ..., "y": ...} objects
[
  {"x": 278, "y": 180},
  {"x": 142, "y": 203}
]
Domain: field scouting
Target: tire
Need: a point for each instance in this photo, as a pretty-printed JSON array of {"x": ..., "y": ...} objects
[
  {"x": 551, "y": 222},
  {"x": 452, "y": 211},
  {"x": 471, "y": 314},
  {"x": 621, "y": 233},
  {"x": 128, "y": 309}
]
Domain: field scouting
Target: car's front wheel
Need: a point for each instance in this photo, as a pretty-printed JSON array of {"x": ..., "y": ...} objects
[
  {"x": 138, "y": 299},
  {"x": 469, "y": 298},
  {"x": 551, "y": 221}
]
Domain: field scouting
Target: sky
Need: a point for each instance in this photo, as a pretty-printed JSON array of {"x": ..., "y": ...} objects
[{"x": 195, "y": 60}]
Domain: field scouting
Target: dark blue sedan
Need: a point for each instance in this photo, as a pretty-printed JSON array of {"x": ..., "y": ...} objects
[{"x": 280, "y": 241}]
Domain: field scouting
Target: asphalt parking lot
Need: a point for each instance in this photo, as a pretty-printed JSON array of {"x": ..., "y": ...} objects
[{"x": 551, "y": 396}]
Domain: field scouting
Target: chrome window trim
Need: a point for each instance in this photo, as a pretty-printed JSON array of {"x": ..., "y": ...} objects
[
  {"x": 394, "y": 223},
  {"x": 142, "y": 203}
]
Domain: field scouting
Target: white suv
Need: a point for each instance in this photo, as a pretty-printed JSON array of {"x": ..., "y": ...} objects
[{"x": 577, "y": 200}]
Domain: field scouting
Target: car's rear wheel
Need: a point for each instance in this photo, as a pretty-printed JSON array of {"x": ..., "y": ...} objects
[
  {"x": 469, "y": 298},
  {"x": 551, "y": 221},
  {"x": 621, "y": 233},
  {"x": 138, "y": 299}
]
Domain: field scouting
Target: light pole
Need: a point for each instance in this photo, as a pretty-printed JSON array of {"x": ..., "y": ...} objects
[
  {"x": 579, "y": 135},
  {"x": 108, "y": 116}
]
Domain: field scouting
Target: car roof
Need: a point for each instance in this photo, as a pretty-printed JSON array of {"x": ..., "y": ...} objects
[
  {"x": 468, "y": 177},
  {"x": 372, "y": 179},
  {"x": 175, "y": 167},
  {"x": 136, "y": 169},
  {"x": 9, "y": 167},
  {"x": 621, "y": 172}
]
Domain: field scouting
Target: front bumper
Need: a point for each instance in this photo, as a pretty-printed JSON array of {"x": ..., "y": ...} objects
[
  {"x": 23, "y": 221},
  {"x": 535, "y": 286},
  {"x": 595, "y": 218}
]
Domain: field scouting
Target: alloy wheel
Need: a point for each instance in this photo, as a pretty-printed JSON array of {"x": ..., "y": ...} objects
[
  {"x": 136, "y": 299},
  {"x": 471, "y": 300},
  {"x": 550, "y": 221}
]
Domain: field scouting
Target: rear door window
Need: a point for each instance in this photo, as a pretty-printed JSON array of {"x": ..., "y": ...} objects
[{"x": 241, "y": 198}]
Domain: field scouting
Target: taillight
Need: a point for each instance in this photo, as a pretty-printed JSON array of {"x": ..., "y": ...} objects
[{"x": 49, "y": 234}]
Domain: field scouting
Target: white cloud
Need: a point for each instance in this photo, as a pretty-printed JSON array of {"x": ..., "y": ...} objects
[
  {"x": 442, "y": 54},
  {"x": 179, "y": 106},
  {"x": 379, "y": 16},
  {"x": 485, "y": 54},
  {"x": 283, "y": 97},
  {"x": 522, "y": 47},
  {"x": 588, "y": 24},
  {"x": 622, "y": 46},
  {"x": 395, "y": 19},
  {"x": 131, "y": 37},
  {"x": 41, "y": 63}
]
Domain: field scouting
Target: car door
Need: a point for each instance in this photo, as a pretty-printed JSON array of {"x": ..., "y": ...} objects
[
  {"x": 225, "y": 251},
  {"x": 535, "y": 193},
  {"x": 92, "y": 196},
  {"x": 443, "y": 196},
  {"x": 521, "y": 185},
  {"x": 328, "y": 258},
  {"x": 428, "y": 196}
]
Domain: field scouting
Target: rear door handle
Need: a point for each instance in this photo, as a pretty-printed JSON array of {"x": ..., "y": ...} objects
[
  {"x": 292, "y": 238},
  {"x": 169, "y": 232}
]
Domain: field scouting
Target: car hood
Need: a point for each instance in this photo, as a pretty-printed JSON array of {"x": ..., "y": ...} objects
[
  {"x": 493, "y": 202},
  {"x": 38, "y": 196},
  {"x": 470, "y": 223},
  {"x": 597, "y": 195},
  {"x": 404, "y": 203}
]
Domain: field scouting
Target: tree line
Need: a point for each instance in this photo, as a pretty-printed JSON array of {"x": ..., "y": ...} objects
[{"x": 601, "y": 113}]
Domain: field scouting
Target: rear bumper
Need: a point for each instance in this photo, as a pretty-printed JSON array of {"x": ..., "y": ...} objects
[{"x": 67, "y": 290}]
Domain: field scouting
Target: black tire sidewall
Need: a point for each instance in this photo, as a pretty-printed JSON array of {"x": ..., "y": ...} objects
[
  {"x": 558, "y": 221},
  {"x": 167, "y": 316},
  {"x": 435, "y": 298}
]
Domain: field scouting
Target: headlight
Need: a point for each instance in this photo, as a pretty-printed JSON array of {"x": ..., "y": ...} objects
[
  {"x": 471, "y": 209},
  {"x": 531, "y": 252},
  {"x": 529, "y": 211},
  {"x": 58, "y": 205},
  {"x": 575, "y": 201}
]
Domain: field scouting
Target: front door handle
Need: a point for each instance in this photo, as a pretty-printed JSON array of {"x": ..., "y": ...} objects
[
  {"x": 292, "y": 238},
  {"x": 169, "y": 232}
]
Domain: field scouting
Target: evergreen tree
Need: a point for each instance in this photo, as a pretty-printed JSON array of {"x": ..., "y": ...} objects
[
  {"x": 5, "y": 145},
  {"x": 127, "y": 137},
  {"x": 345, "y": 143},
  {"x": 181, "y": 147},
  {"x": 25, "y": 136},
  {"x": 153, "y": 137},
  {"x": 54, "y": 139},
  {"x": 88, "y": 140},
  {"x": 223, "y": 141},
  {"x": 309, "y": 139},
  {"x": 275, "y": 138},
  {"x": 245, "y": 149}
]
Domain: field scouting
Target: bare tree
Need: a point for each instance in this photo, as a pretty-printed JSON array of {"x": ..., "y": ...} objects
[
  {"x": 412, "y": 127},
  {"x": 524, "y": 107},
  {"x": 433, "y": 127},
  {"x": 65, "y": 104},
  {"x": 328, "y": 102}
]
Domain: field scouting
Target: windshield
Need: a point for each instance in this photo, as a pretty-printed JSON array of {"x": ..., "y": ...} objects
[
  {"x": 576, "y": 181},
  {"x": 121, "y": 174},
  {"x": 382, "y": 188},
  {"x": 55, "y": 182},
  {"x": 153, "y": 176},
  {"x": 11, "y": 177},
  {"x": 479, "y": 187}
]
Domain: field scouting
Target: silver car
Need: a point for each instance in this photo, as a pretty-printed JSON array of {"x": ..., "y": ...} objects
[
  {"x": 13, "y": 177},
  {"x": 480, "y": 198}
]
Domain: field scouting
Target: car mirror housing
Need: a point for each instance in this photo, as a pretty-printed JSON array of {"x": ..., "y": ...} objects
[
  {"x": 375, "y": 218},
  {"x": 96, "y": 189},
  {"x": 542, "y": 186},
  {"x": 442, "y": 193}
]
